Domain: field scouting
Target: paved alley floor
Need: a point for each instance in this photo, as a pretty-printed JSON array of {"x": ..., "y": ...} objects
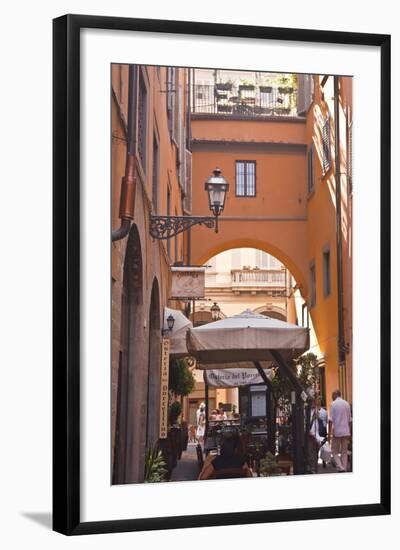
[{"x": 187, "y": 468}]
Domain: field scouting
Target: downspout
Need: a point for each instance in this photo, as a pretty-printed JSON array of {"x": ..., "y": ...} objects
[
  {"x": 128, "y": 183},
  {"x": 339, "y": 264}
]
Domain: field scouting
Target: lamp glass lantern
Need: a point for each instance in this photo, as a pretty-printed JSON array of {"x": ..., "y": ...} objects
[
  {"x": 216, "y": 187},
  {"x": 215, "y": 311},
  {"x": 170, "y": 322}
]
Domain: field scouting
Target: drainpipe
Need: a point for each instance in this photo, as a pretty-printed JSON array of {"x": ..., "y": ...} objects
[
  {"x": 128, "y": 183},
  {"x": 341, "y": 342}
]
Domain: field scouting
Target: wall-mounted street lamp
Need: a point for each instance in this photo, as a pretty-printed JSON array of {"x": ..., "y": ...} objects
[
  {"x": 166, "y": 227},
  {"x": 215, "y": 312},
  {"x": 170, "y": 325}
]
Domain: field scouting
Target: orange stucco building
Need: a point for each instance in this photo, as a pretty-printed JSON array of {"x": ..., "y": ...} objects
[{"x": 152, "y": 139}]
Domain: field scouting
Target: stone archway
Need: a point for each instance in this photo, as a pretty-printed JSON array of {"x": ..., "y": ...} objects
[
  {"x": 204, "y": 249},
  {"x": 274, "y": 311},
  {"x": 127, "y": 434},
  {"x": 154, "y": 358}
]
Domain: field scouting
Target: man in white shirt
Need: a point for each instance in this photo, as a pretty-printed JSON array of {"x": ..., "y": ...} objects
[
  {"x": 339, "y": 430},
  {"x": 201, "y": 406}
]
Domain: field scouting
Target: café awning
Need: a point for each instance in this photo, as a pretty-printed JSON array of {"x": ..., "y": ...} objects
[
  {"x": 178, "y": 334},
  {"x": 247, "y": 336}
]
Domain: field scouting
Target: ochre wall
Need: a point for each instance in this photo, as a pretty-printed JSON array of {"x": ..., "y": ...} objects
[{"x": 275, "y": 219}]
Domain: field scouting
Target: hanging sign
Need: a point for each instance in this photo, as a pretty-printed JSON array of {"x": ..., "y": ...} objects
[
  {"x": 187, "y": 282},
  {"x": 231, "y": 378},
  {"x": 164, "y": 388}
]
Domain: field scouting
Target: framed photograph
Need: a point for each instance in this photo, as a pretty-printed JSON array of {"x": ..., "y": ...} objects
[{"x": 221, "y": 274}]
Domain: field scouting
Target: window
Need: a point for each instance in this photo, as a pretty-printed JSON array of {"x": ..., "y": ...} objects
[
  {"x": 326, "y": 150},
  {"x": 171, "y": 100},
  {"x": 245, "y": 178},
  {"x": 176, "y": 249},
  {"x": 349, "y": 138},
  {"x": 142, "y": 122},
  {"x": 154, "y": 195},
  {"x": 310, "y": 169},
  {"x": 313, "y": 285},
  {"x": 326, "y": 263},
  {"x": 168, "y": 214}
]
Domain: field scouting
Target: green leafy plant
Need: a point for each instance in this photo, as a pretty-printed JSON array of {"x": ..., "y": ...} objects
[
  {"x": 269, "y": 466},
  {"x": 175, "y": 410},
  {"x": 154, "y": 466},
  {"x": 307, "y": 370},
  {"x": 181, "y": 379}
]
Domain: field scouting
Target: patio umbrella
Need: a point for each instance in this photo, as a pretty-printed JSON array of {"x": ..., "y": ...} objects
[
  {"x": 178, "y": 334},
  {"x": 247, "y": 336}
]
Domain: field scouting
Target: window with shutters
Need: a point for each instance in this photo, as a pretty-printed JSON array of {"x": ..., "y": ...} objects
[
  {"x": 326, "y": 150},
  {"x": 310, "y": 169},
  {"x": 245, "y": 178},
  {"x": 349, "y": 159},
  {"x": 142, "y": 122},
  {"x": 188, "y": 181},
  {"x": 313, "y": 285},
  {"x": 326, "y": 265},
  {"x": 168, "y": 214},
  {"x": 171, "y": 93},
  {"x": 156, "y": 161},
  {"x": 305, "y": 90},
  {"x": 176, "y": 243}
]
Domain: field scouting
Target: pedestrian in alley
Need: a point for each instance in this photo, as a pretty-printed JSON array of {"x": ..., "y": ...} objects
[
  {"x": 315, "y": 439},
  {"x": 201, "y": 425},
  {"x": 323, "y": 424},
  {"x": 202, "y": 405},
  {"x": 339, "y": 430}
]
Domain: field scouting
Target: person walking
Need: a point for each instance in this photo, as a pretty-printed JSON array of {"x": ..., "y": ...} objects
[
  {"x": 339, "y": 430},
  {"x": 315, "y": 439},
  {"x": 201, "y": 406},
  {"x": 322, "y": 424},
  {"x": 201, "y": 425},
  {"x": 322, "y": 418}
]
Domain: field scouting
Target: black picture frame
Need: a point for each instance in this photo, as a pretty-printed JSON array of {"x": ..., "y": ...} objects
[{"x": 66, "y": 272}]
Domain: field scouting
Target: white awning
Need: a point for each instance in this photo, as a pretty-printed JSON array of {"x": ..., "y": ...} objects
[
  {"x": 247, "y": 336},
  {"x": 178, "y": 334}
]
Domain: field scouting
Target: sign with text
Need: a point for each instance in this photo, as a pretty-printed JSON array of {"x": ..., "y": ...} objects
[
  {"x": 187, "y": 282},
  {"x": 164, "y": 388},
  {"x": 231, "y": 378}
]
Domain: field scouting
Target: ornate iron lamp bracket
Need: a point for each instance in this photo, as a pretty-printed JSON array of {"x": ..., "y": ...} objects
[{"x": 165, "y": 227}]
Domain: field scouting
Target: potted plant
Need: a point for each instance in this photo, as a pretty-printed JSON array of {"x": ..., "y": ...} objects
[
  {"x": 175, "y": 410},
  {"x": 285, "y": 90},
  {"x": 155, "y": 469},
  {"x": 224, "y": 86},
  {"x": 269, "y": 466},
  {"x": 266, "y": 89},
  {"x": 246, "y": 85}
]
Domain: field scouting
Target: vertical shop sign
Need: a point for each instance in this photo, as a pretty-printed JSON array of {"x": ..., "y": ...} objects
[{"x": 164, "y": 388}]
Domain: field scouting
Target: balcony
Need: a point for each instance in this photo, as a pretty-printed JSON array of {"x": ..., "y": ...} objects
[
  {"x": 244, "y": 278},
  {"x": 244, "y": 100}
]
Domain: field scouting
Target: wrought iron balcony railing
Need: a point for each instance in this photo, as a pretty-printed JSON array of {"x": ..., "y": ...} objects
[{"x": 244, "y": 100}]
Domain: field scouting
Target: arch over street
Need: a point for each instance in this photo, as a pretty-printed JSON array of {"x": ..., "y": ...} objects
[{"x": 288, "y": 250}]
